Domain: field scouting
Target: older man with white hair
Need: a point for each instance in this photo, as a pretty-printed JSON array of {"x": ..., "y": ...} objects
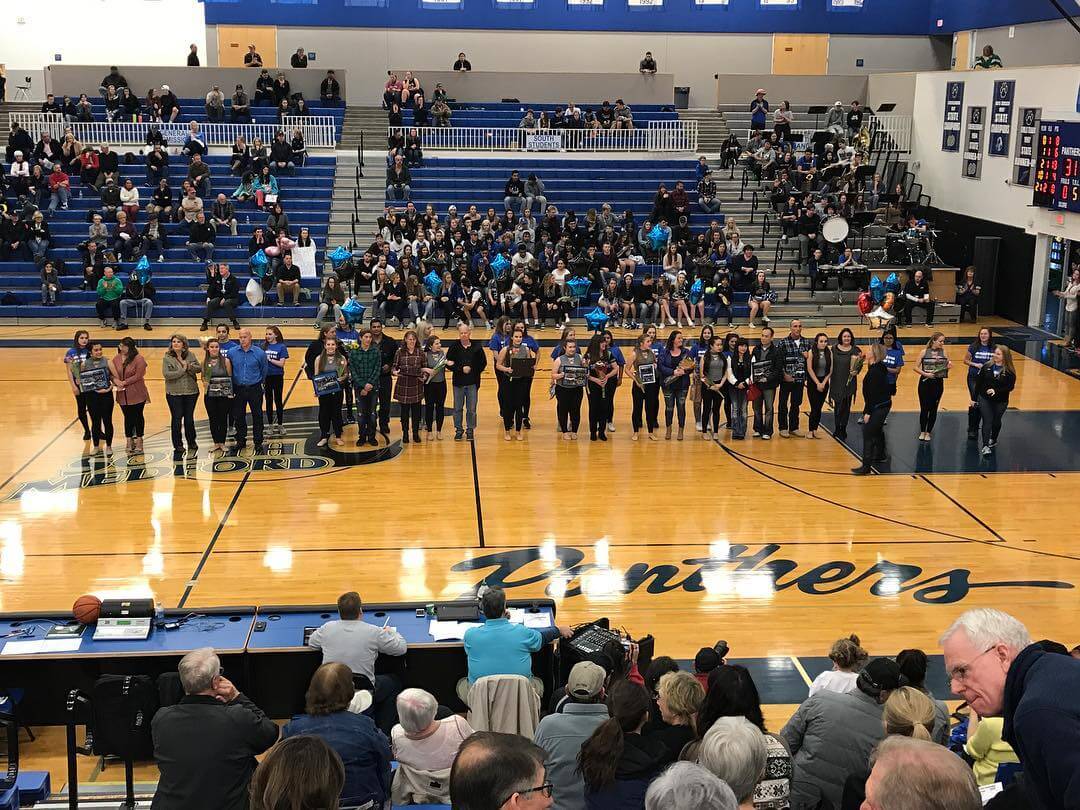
[
  {"x": 911, "y": 774},
  {"x": 421, "y": 741},
  {"x": 734, "y": 749},
  {"x": 686, "y": 786},
  {"x": 993, "y": 665},
  {"x": 205, "y": 745}
]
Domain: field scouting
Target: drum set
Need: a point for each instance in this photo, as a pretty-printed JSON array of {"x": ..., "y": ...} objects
[
  {"x": 912, "y": 246},
  {"x": 835, "y": 230}
]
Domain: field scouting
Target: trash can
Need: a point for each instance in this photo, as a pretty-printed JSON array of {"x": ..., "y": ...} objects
[{"x": 682, "y": 98}]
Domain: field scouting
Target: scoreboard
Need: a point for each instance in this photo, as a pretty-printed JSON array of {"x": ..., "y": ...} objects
[{"x": 1057, "y": 166}]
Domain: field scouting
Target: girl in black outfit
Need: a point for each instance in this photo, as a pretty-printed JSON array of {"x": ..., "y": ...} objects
[
  {"x": 996, "y": 379},
  {"x": 877, "y": 399},
  {"x": 78, "y": 353},
  {"x": 515, "y": 389},
  {"x": 713, "y": 378},
  {"x": 315, "y": 348},
  {"x": 646, "y": 395},
  {"x": 602, "y": 373},
  {"x": 818, "y": 377},
  {"x": 931, "y": 382},
  {"x": 739, "y": 377}
]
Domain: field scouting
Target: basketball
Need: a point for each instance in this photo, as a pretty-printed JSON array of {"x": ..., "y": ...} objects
[{"x": 86, "y": 609}]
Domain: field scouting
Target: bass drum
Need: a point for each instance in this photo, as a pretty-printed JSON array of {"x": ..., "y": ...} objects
[{"x": 835, "y": 229}]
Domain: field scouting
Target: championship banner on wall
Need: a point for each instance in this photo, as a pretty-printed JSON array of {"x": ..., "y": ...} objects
[
  {"x": 973, "y": 139},
  {"x": 779, "y": 5},
  {"x": 954, "y": 108},
  {"x": 1027, "y": 135},
  {"x": 442, "y": 4},
  {"x": 585, "y": 5},
  {"x": 516, "y": 5},
  {"x": 645, "y": 5},
  {"x": 845, "y": 5},
  {"x": 706, "y": 3},
  {"x": 1001, "y": 112}
]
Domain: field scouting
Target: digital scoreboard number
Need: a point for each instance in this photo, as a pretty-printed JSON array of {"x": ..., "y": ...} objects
[{"x": 1057, "y": 166}]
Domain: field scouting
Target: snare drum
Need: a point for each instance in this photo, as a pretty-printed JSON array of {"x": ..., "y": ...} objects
[{"x": 835, "y": 229}]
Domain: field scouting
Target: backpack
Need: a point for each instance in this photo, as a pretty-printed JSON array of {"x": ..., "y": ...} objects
[{"x": 122, "y": 708}]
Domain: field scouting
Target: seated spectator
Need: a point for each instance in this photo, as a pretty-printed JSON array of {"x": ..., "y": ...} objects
[
  {"x": 988, "y": 60},
  {"x": 154, "y": 239},
  {"x": 38, "y": 237},
  {"x": 50, "y": 284},
  {"x": 108, "y": 165},
  {"x": 223, "y": 214},
  {"x": 287, "y": 279},
  {"x": 278, "y": 220},
  {"x": 300, "y": 772},
  {"x": 624, "y": 116},
  {"x": 617, "y": 762},
  {"x": 357, "y": 644},
  {"x": 330, "y": 89},
  {"x": 281, "y": 155},
  {"x": 298, "y": 148},
  {"x": 110, "y": 200},
  {"x": 398, "y": 180},
  {"x": 19, "y": 174},
  {"x": 514, "y": 193},
  {"x": 281, "y": 88},
  {"x": 264, "y": 87},
  {"x": 252, "y": 58},
  {"x": 60, "y": 188},
  {"x": 161, "y": 201},
  {"x": 831, "y": 735},
  {"x": 266, "y": 189},
  {"x": 125, "y": 238},
  {"x": 534, "y": 195},
  {"x": 499, "y": 772},
  {"x": 199, "y": 174},
  {"x": 562, "y": 734},
  {"x": 140, "y": 297},
  {"x": 246, "y": 190},
  {"x": 331, "y": 297},
  {"x": 364, "y": 750},
  {"x": 420, "y": 111},
  {"x": 918, "y": 775},
  {"x": 706, "y": 191},
  {"x": 205, "y": 745},
  {"x": 734, "y": 750},
  {"x": 201, "y": 237},
  {"x": 190, "y": 207},
  {"x": 89, "y": 168},
  {"x": 215, "y": 106},
  {"x": 679, "y": 698},
  {"x": 50, "y": 104},
  {"x": 129, "y": 200},
  {"x": 170, "y": 105},
  {"x": 240, "y": 106},
  {"x": 422, "y": 742},
  {"x": 500, "y": 647},
  {"x": 222, "y": 295},
  {"x": 848, "y": 657},
  {"x": 528, "y": 121},
  {"x": 441, "y": 113},
  {"x": 686, "y": 786},
  {"x": 114, "y": 79},
  {"x": 46, "y": 153},
  {"x": 157, "y": 166},
  {"x": 913, "y": 665}
]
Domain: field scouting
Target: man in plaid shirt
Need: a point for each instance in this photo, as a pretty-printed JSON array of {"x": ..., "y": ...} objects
[
  {"x": 793, "y": 350},
  {"x": 365, "y": 365}
]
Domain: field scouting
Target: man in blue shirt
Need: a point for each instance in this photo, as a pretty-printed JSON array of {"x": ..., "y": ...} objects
[
  {"x": 759, "y": 110},
  {"x": 499, "y": 647},
  {"x": 249, "y": 368}
]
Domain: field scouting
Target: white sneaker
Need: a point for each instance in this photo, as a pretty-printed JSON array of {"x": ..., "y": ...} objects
[{"x": 610, "y": 427}]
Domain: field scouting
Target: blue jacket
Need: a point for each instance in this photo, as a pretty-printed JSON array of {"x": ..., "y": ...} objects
[
  {"x": 1042, "y": 724},
  {"x": 668, "y": 364},
  {"x": 643, "y": 758},
  {"x": 499, "y": 647},
  {"x": 363, "y": 749}
]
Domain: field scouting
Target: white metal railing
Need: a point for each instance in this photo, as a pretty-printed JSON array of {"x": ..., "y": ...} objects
[
  {"x": 656, "y": 136},
  {"x": 319, "y": 130},
  {"x": 898, "y": 127}
]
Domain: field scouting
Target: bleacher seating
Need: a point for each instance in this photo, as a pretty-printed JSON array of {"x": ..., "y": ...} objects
[
  {"x": 499, "y": 114},
  {"x": 306, "y": 198}
]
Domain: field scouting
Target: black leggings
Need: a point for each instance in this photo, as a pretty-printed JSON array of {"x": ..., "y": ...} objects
[
  {"x": 329, "y": 413},
  {"x": 711, "y": 405},
  {"x": 516, "y": 396},
  {"x": 992, "y": 411},
  {"x": 217, "y": 412},
  {"x": 649, "y": 400},
  {"x": 817, "y": 402},
  {"x": 435, "y": 400},
  {"x": 930, "y": 392},
  {"x": 599, "y": 409},
  {"x": 275, "y": 385},
  {"x": 83, "y": 409},
  {"x": 182, "y": 410},
  {"x": 410, "y": 412},
  {"x": 101, "y": 411},
  {"x": 568, "y": 408},
  {"x": 974, "y": 413},
  {"x": 134, "y": 424}
]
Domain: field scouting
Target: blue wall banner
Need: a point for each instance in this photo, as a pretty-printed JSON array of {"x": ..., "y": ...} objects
[
  {"x": 1027, "y": 135},
  {"x": 954, "y": 107},
  {"x": 1001, "y": 114},
  {"x": 976, "y": 121}
]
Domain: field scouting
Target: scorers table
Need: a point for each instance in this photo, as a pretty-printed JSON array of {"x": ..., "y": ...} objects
[{"x": 262, "y": 650}]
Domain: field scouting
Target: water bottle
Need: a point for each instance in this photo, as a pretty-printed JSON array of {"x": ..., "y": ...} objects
[{"x": 159, "y": 615}]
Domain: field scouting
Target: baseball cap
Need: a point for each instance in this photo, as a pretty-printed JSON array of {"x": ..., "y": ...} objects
[
  {"x": 884, "y": 673},
  {"x": 706, "y": 660},
  {"x": 586, "y": 680}
]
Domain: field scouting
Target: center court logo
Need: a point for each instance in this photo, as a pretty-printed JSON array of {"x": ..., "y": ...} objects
[{"x": 293, "y": 456}]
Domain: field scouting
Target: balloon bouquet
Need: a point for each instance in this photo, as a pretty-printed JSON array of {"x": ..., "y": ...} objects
[{"x": 883, "y": 294}]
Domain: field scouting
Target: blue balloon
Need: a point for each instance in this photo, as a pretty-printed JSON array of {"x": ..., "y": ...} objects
[
  {"x": 499, "y": 264},
  {"x": 353, "y": 311},
  {"x": 697, "y": 289},
  {"x": 892, "y": 283},
  {"x": 142, "y": 269},
  {"x": 339, "y": 255},
  {"x": 877, "y": 290},
  {"x": 259, "y": 264},
  {"x": 579, "y": 286},
  {"x": 596, "y": 319},
  {"x": 657, "y": 237},
  {"x": 433, "y": 283}
]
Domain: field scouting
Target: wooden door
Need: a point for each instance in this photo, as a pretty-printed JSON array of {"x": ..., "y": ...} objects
[
  {"x": 962, "y": 51},
  {"x": 800, "y": 54},
  {"x": 233, "y": 41}
]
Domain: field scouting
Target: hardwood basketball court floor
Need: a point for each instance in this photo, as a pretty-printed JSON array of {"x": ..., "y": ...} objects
[{"x": 772, "y": 546}]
